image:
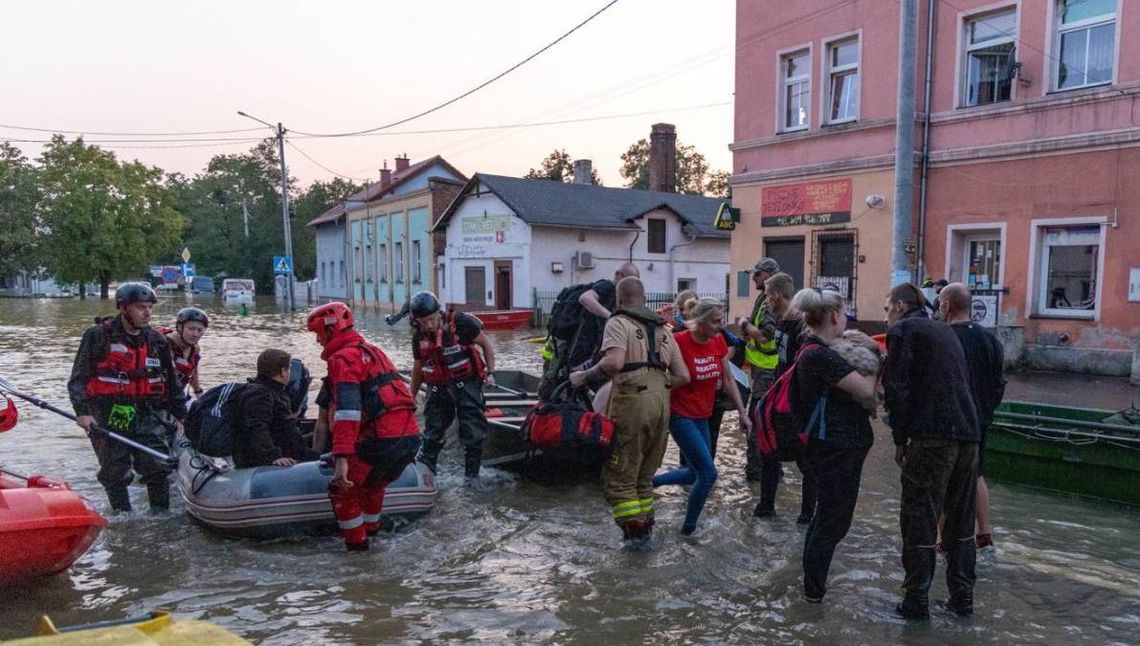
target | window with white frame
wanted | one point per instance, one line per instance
(982, 259)
(1085, 45)
(795, 98)
(988, 69)
(398, 268)
(1067, 270)
(843, 80)
(417, 273)
(383, 262)
(342, 273)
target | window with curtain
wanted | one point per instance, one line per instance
(1068, 270)
(843, 72)
(795, 99)
(1085, 42)
(988, 66)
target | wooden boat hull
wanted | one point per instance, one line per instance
(1064, 449)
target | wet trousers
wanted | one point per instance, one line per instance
(771, 471)
(640, 413)
(464, 401)
(939, 477)
(761, 381)
(118, 462)
(692, 437)
(837, 475)
(357, 508)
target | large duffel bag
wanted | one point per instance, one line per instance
(568, 424)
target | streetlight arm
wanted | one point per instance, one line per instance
(250, 116)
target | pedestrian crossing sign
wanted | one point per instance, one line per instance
(282, 265)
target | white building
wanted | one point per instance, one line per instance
(508, 238)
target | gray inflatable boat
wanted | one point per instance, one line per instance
(265, 502)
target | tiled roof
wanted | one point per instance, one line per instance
(373, 191)
(550, 203)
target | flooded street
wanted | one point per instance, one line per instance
(530, 563)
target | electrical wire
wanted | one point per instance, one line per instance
(128, 134)
(322, 166)
(472, 90)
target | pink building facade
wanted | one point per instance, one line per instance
(1030, 139)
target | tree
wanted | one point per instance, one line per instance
(693, 175)
(102, 220)
(18, 220)
(717, 184)
(318, 198)
(559, 167)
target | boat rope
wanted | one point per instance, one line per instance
(1075, 438)
(203, 466)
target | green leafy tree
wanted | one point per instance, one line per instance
(18, 220)
(559, 167)
(318, 198)
(693, 176)
(717, 184)
(102, 219)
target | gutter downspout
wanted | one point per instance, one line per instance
(931, 20)
(636, 236)
(672, 272)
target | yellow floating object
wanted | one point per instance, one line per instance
(535, 339)
(159, 628)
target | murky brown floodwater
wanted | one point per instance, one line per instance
(528, 563)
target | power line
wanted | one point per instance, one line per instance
(472, 90)
(127, 134)
(322, 166)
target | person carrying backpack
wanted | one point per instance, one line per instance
(264, 425)
(840, 436)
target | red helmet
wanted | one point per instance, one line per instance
(9, 416)
(330, 319)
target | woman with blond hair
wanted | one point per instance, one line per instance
(706, 356)
(840, 440)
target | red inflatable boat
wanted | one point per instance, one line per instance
(44, 527)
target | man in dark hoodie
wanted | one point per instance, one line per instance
(264, 426)
(934, 421)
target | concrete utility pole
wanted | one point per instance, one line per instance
(279, 132)
(904, 143)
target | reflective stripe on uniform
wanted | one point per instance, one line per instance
(646, 505)
(371, 518)
(346, 415)
(352, 523)
(114, 380)
(627, 509)
(118, 347)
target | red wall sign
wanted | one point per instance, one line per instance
(812, 203)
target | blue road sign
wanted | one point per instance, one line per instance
(282, 265)
(170, 275)
(188, 270)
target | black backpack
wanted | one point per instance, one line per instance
(566, 313)
(207, 423)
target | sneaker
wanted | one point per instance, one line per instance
(812, 599)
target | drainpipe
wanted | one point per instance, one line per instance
(931, 16)
(635, 237)
(672, 276)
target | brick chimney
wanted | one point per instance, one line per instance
(385, 176)
(663, 158)
(402, 163)
(583, 171)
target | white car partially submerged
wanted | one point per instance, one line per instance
(238, 290)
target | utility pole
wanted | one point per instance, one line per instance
(904, 143)
(245, 216)
(279, 132)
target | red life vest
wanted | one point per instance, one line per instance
(131, 368)
(445, 359)
(184, 366)
(386, 399)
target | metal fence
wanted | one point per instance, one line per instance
(544, 301)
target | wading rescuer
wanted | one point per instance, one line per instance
(454, 357)
(761, 353)
(639, 353)
(373, 420)
(188, 329)
(124, 380)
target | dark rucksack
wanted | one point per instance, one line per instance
(566, 313)
(777, 428)
(207, 424)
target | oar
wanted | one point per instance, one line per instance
(6, 385)
(14, 474)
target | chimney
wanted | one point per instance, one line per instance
(663, 158)
(385, 176)
(583, 171)
(402, 163)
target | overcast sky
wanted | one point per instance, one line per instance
(335, 66)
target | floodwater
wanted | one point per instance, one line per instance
(537, 563)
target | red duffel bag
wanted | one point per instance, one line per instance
(568, 424)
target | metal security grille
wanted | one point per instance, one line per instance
(834, 265)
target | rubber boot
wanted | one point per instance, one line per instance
(357, 547)
(385, 525)
(120, 499)
(472, 459)
(639, 531)
(158, 494)
(913, 606)
(429, 454)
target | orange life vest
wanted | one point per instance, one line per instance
(184, 366)
(131, 368)
(446, 360)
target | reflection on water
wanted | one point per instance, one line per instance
(534, 563)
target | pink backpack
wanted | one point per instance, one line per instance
(777, 429)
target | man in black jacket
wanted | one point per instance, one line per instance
(934, 421)
(264, 426)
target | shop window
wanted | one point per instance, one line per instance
(656, 235)
(1085, 42)
(1067, 269)
(988, 68)
(843, 80)
(795, 95)
(983, 262)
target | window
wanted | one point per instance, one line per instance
(843, 87)
(656, 235)
(417, 273)
(322, 280)
(1086, 42)
(383, 263)
(795, 96)
(1067, 271)
(398, 269)
(342, 273)
(686, 283)
(988, 68)
(983, 262)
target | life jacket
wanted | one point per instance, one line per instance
(762, 355)
(652, 322)
(389, 436)
(132, 366)
(446, 360)
(184, 366)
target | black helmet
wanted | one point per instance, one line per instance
(187, 314)
(423, 303)
(135, 293)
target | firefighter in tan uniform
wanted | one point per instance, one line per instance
(640, 355)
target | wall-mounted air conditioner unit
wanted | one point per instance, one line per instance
(584, 260)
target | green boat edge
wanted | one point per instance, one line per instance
(1064, 449)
